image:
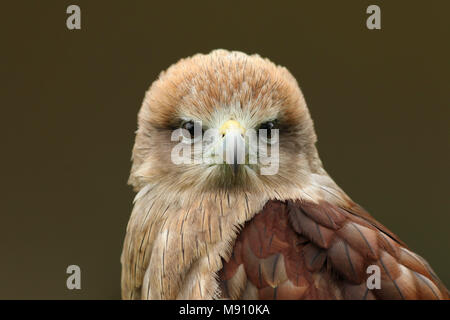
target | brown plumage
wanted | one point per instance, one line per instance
(203, 231)
(301, 250)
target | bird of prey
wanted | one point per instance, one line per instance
(211, 230)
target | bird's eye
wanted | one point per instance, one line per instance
(194, 131)
(268, 126)
(189, 126)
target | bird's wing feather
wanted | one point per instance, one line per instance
(305, 250)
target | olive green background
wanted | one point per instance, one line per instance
(69, 99)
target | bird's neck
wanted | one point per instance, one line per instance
(176, 242)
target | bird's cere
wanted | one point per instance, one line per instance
(231, 125)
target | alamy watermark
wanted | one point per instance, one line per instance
(73, 21)
(374, 20)
(74, 280)
(374, 280)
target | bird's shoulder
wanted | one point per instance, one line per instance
(298, 249)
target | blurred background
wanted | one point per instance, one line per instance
(69, 99)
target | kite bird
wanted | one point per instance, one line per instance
(207, 230)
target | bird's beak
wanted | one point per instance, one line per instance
(233, 144)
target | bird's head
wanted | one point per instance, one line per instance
(225, 121)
